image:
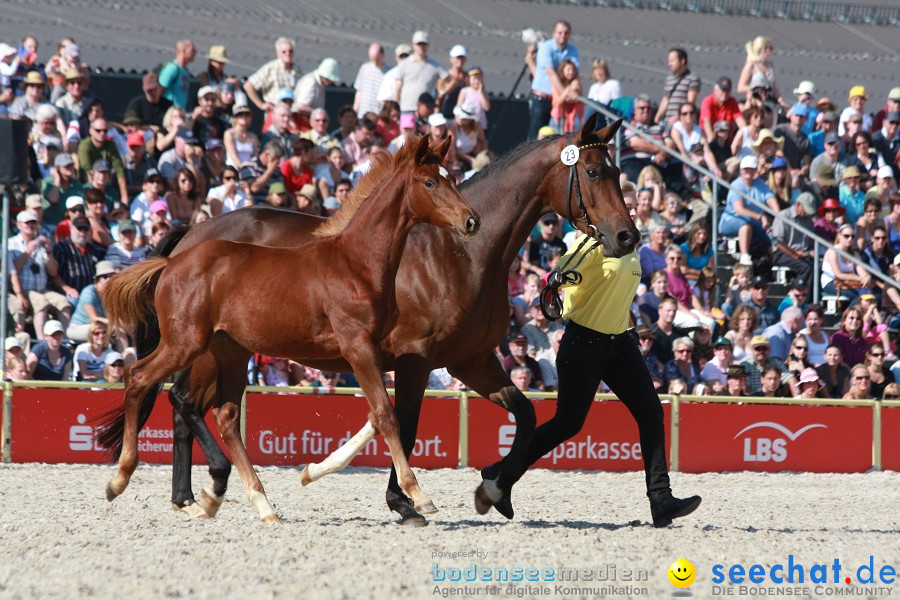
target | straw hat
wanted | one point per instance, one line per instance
(851, 171)
(217, 53)
(33, 78)
(766, 134)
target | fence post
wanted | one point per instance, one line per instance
(674, 458)
(244, 418)
(6, 432)
(464, 428)
(876, 435)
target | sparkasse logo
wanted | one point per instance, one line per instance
(771, 448)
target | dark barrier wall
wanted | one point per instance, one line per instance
(117, 89)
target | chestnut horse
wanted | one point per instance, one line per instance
(332, 298)
(453, 313)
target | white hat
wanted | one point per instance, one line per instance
(884, 172)
(420, 37)
(112, 357)
(805, 87)
(72, 49)
(437, 119)
(53, 326)
(206, 89)
(73, 201)
(402, 49)
(328, 69)
(749, 162)
(6, 50)
(465, 110)
(458, 50)
(26, 216)
(12, 342)
(758, 81)
(104, 267)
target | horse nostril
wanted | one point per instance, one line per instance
(626, 237)
(471, 225)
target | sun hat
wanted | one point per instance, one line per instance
(32, 78)
(851, 171)
(104, 267)
(766, 134)
(759, 340)
(805, 87)
(12, 342)
(407, 121)
(159, 206)
(831, 204)
(809, 375)
(465, 110)
(328, 69)
(218, 54)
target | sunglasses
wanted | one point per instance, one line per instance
(861, 377)
(876, 354)
(99, 333)
(891, 397)
(99, 130)
(761, 349)
(683, 351)
(118, 364)
(801, 348)
(689, 112)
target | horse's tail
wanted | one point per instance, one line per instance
(128, 296)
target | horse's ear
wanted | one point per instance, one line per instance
(587, 130)
(443, 147)
(609, 131)
(422, 151)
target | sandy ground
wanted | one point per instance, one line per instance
(59, 537)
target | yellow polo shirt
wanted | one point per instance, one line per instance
(603, 298)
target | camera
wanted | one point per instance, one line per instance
(532, 37)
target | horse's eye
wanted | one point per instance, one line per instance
(429, 183)
(593, 173)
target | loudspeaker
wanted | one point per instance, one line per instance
(13, 151)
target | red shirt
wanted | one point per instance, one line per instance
(713, 111)
(292, 181)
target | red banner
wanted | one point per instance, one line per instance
(761, 437)
(890, 438)
(57, 426)
(608, 441)
(295, 430)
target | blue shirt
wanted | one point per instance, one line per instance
(45, 370)
(88, 296)
(550, 55)
(758, 190)
(176, 81)
(853, 202)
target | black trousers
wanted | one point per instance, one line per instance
(585, 358)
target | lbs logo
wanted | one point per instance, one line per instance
(774, 447)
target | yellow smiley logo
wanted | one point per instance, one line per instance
(682, 573)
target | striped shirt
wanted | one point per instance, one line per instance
(31, 281)
(271, 77)
(677, 88)
(76, 266)
(368, 81)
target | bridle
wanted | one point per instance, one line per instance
(551, 302)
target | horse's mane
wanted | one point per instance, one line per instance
(383, 166)
(509, 158)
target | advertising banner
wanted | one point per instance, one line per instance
(763, 437)
(608, 441)
(295, 430)
(890, 438)
(58, 426)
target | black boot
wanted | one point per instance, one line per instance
(666, 508)
(504, 505)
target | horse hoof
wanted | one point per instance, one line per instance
(110, 493)
(427, 508)
(273, 518)
(305, 478)
(486, 496)
(195, 511)
(413, 521)
(210, 503)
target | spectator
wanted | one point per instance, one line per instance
(543, 59)
(815, 337)
(880, 375)
(356, 146)
(386, 89)
(521, 378)
(648, 302)
(214, 75)
(229, 196)
(26, 105)
(830, 157)
(17, 370)
(849, 337)
(241, 145)
(388, 125)
(682, 87)
(424, 110)
(857, 99)
(77, 257)
(892, 105)
(174, 121)
(760, 360)
(31, 266)
(720, 146)
(174, 77)
(810, 384)
(768, 314)
(795, 248)
(681, 366)
(74, 208)
(262, 87)
(664, 330)
(124, 252)
(690, 141)
(716, 370)
(747, 137)
(826, 225)
(157, 233)
(90, 356)
(796, 146)
(113, 369)
(207, 124)
(646, 216)
(468, 134)
(368, 81)
(137, 163)
(736, 381)
(90, 311)
(35, 204)
(99, 147)
(604, 89)
(796, 296)
(310, 91)
(781, 334)
(296, 171)
(318, 132)
(449, 88)
(871, 219)
(680, 289)
(329, 173)
(645, 340)
(827, 125)
(836, 270)
(698, 251)
(95, 211)
(744, 322)
(867, 160)
(152, 106)
(885, 184)
(475, 95)
(797, 359)
(518, 357)
(742, 219)
(805, 93)
(50, 359)
(538, 329)
(72, 103)
(265, 170)
(278, 196)
(886, 140)
(213, 162)
(537, 259)
(653, 254)
(770, 384)
(280, 131)
(759, 65)
(184, 199)
(891, 392)
(566, 111)
(186, 155)
(638, 153)
(341, 192)
(152, 191)
(417, 75)
(861, 384)
(849, 127)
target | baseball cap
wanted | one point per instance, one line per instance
(53, 326)
(63, 160)
(749, 162)
(723, 341)
(893, 116)
(550, 218)
(113, 357)
(308, 190)
(159, 206)
(151, 173)
(240, 109)
(736, 371)
(832, 137)
(26, 216)
(458, 50)
(829, 117)
(127, 225)
(805, 87)
(34, 201)
(214, 144)
(894, 94)
(135, 138)
(285, 93)
(101, 166)
(759, 340)
(858, 90)
(131, 118)
(104, 267)
(799, 282)
(277, 188)
(808, 202)
(11, 342)
(519, 339)
(402, 49)
(809, 375)
(724, 84)
(759, 281)
(437, 119)
(187, 136)
(81, 222)
(73, 201)
(779, 163)
(644, 332)
(206, 89)
(884, 172)
(420, 37)
(799, 109)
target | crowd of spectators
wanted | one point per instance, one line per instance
(102, 193)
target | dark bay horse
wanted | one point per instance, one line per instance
(453, 314)
(332, 298)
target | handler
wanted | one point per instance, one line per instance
(598, 345)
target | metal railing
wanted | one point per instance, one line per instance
(818, 241)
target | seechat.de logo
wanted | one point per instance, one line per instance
(771, 443)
